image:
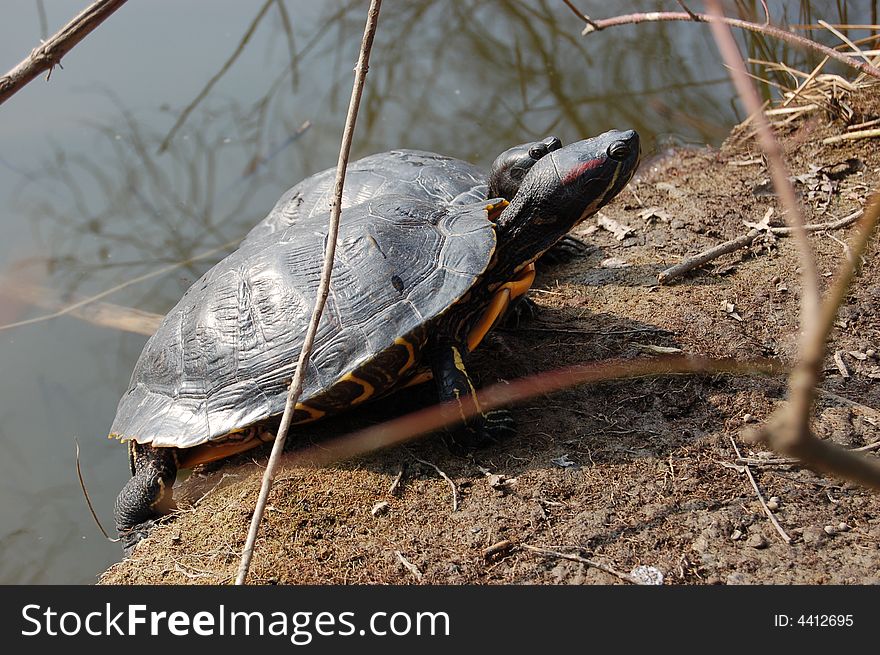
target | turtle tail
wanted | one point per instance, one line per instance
(147, 494)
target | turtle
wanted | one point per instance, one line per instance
(416, 286)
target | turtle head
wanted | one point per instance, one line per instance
(510, 167)
(561, 190)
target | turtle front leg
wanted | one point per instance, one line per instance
(147, 494)
(454, 384)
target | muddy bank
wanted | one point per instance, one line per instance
(625, 473)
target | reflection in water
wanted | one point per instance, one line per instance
(466, 78)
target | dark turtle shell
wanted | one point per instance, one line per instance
(414, 173)
(223, 356)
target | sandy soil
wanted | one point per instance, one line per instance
(623, 473)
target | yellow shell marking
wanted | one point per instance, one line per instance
(410, 354)
(368, 389)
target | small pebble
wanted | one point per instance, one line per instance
(756, 541)
(737, 535)
(843, 527)
(647, 575)
(497, 481)
(748, 418)
(830, 529)
(772, 505)
(776, 280)
(870, 352)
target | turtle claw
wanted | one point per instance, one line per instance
(132, 536)
(565, 250)
(522, 310)
(484, 430)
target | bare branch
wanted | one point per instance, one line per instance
(49, 55)
(790, 432)
(783, 35)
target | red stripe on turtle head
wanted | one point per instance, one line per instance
(576, 172)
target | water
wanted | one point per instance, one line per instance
(88, 202)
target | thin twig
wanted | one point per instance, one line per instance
(794, 461)
(50, 53)
(689, 264)
(770, 461)
(546, 552)
(604, 333)
(852, 136)
(767, 510)
(847, 401)
(412, 568)
(840, 35)
(675, 272)
(82, 485)
(803, 85)
(443, 475)
(821, 227)
(140, 278)
(44, 21)
(323, 290)
(688, 10)
(578, 12)
(783, 35)
(395, 485)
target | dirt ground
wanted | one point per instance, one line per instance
(626, 474)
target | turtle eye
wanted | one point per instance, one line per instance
(618, 150)
(537, 151)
